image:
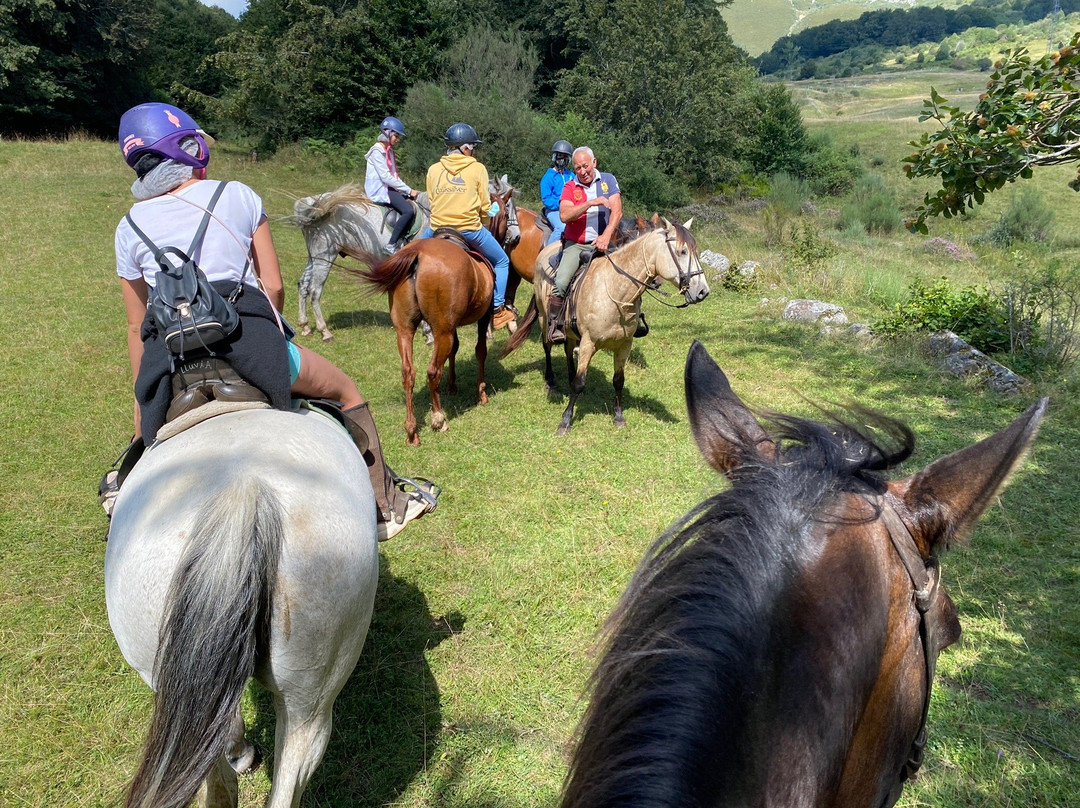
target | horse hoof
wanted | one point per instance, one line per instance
(247, 761)
(512, 326)
(620, 422)
(412, 440)
(438, 422)
(305, 331)
(562, 431)
(327, 336)
(482, 399)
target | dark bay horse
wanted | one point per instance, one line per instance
(437, 281)
(777, 646)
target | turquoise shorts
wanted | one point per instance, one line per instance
(294, 362)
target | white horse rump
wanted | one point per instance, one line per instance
(245, 546)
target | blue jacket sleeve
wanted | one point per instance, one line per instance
(551, 189)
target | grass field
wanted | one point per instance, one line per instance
(470, 684)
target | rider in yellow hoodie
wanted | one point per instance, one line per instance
(457, 188)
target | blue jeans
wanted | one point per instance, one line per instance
(557, 226)
(485, 244)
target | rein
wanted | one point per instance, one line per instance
(925, 577)
(654, 290)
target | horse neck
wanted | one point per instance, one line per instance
(638, 260)
(740, 667)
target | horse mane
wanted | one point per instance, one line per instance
(689, 645)
(307, 214)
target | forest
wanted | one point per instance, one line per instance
(658, 88)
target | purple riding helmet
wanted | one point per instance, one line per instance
(158, 129)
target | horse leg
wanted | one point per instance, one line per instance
(512, 284)
(445, 343)
(617, 380)
(481, 359)
(577, 386)
(301, 736)
(451, 386)
(320, 322)
(571, 366)
(219, 789)
(303, 289)
(408, 381)
(549, 373)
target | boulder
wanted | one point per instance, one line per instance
(815, 311)
(962, 360)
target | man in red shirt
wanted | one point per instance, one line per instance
(591, 207)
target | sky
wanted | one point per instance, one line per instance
(234, 7)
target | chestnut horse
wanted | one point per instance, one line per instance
(433, 279)
(777, 646)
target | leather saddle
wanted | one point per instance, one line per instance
(209, 378)
(453, 236)
(391, 216)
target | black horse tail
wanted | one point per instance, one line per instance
(382, 275)
(523, 330)
(216, 622)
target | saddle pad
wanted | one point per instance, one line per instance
(200, 414)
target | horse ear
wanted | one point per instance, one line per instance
(727, 433)
(688, 222)
(946, 498)
(655, 220)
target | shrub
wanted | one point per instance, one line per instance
(830, 171)
(973, 314)
(787, 192)
(1043, 312)
(806, 251)
(873, 204)
(1028, 218)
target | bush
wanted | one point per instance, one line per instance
(975, 315)
(787, 192)
(1028, 218)
(872, 204)
(1043, 313)
(806, 251)
(830, 171)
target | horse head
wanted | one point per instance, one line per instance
(777, 646)
(676, 258)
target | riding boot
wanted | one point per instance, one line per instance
(110, 484)
(556, 334)
(642, 327)
(396, 505)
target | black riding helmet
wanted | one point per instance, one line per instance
(560, 153)
(461, 133)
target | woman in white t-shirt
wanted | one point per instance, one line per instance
(169, 154)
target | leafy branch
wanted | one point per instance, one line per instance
(1028, 117)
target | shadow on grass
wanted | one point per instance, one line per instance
(358, 319)
(387, 718)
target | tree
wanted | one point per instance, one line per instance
(1029, 116)
(67, 64)
(665, 74)
(317, 68)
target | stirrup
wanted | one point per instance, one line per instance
(421, 486)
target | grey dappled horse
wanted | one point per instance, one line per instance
(333, 222)
(231, 556)
(346, 221)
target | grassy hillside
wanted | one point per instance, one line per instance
(469, 687)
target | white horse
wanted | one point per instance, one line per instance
(233, 556)
(334, 223)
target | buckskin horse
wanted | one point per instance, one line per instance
(436, 280)
(606, 304)
(231, 556)
(777, 646)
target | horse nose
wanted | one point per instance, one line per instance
(703, 293)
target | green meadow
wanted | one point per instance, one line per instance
(470, 685)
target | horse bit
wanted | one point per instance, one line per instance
(653, 285)
(925, 579)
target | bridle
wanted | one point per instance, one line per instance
(925, 580)
(651, 284)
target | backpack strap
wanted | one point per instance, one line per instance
(201, 232)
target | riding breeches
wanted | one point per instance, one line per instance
(568, 264)
(406, 214)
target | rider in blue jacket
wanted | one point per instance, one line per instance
(551, 186)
